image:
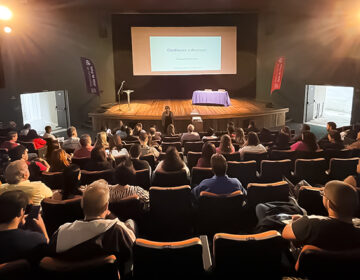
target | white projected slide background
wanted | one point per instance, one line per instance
(183, 50)
(185, 53)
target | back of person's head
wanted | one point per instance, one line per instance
(265, 135)
(251, 123)
(225, 144)
(128, 130)
(170, 129)
(71, 131)
(101, 139)
(11, 203)
(16, 171)
(167, 107)
(143, 136)
(208, 149)
(71, 175)
(331, 125)
(85, 140)
(239, 133)
(309, 139)
(210, 131)
(17, 152)
(152, 131)
(12, 124)
(252, 139)
(230, 123)
(231, 130)
(27, 126)
(283, 140)
(115, 142)
(218, 164)
(335, 136)
(125, 172)
(139, 126)
(172, 161)
(48, 129)
(343, 198)
(95, 198)
(190, 128)
(305, 127)
(32, 134)
(59, 159)
(98, 154)
(285, 129)
(12, 135)
(135, 151)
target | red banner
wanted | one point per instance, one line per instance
(278, 74)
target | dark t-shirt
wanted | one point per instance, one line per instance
(326, 233)
(18, 243)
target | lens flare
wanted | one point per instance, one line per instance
(5, 13)
(7, 29)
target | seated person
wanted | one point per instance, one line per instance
(17, 177)
(208, 149)
(139, 164)
(25, 130)
(305, 127)
(71, 187)
(190, 135)
(137, 129)
(116, 147)
(231, 130)
(252, 127)
(73, 142)
(265, 135)
(129, 135)
(144, 148)
(252, 145)
(59, 160)
(325, 139)
(32, 136)
(335, 232)
(334, 141)
(99, 160)
(226, 147)
(172, 162)
(101, 140)
(10, 126)
(210, 135)
(125, 177)
(240, 137)
(356, 144)
(282, 141)
(171, 131)
(307, 144)
(48, 134)
(95, 235)
(12, 142)
(86, 148)
(220, 183)
(122, 131)
(16, 243)
(155, 135)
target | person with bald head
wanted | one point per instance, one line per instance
(335, 232)
(95, 235)
(190, 135)
(17, 177)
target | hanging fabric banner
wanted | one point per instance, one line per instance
(278, 74)
(90, 76)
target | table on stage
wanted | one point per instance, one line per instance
(211, 97)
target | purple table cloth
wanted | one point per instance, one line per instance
(211, 97)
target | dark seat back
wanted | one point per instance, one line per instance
(87, 177)
(232, 156)
(192, 159)
(127, 208)
(261, 193)
(193, 146)
(142, 178)
(150, 158)
(81, 162)
(166, 145)
(258, 157)
(245, 171)
(54, 180)
(310, 199)
(274, 170)
(200, 173)
(311, 170)
(170, 178)
(340, 168)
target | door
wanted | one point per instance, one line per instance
(62, 108)
(309, 103)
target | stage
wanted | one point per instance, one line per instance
(149, 112)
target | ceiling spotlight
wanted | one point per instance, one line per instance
(5, 13)
(7, 29)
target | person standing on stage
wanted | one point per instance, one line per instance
(167, 118)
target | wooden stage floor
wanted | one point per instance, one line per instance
(183, 109)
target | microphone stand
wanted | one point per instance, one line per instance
(119, 93)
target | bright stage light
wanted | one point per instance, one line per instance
(5, 13)
(7, 29)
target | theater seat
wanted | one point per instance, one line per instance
(170, 178)
(340, 168)
(274, 170)
(193, 147)
(258, 157)
(142, 178)
(267, 192)
(17, 269)
(310, 199)
(54, 180)
(244, 171)
(81, 162)
(165, 145)
(127, 208)
(200, 173)
(311, 170)
(87, 177)
(192, 159)
(232, 156)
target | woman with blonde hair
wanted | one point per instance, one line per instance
(59, 160)
(101, 140)
(240, 137)
(226, 147)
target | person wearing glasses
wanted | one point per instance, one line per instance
(334, 232)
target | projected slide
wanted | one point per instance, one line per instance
(185, 53)
(183, 50)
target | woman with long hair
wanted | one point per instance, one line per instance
(99, 160)
(252, 145)
(226, 147)
(116, 146)
(307, 144)
(71, 187)
(208, 149)
(170, 130)
(101, 140)
(59, 160)
(172, 162)
(240, 137)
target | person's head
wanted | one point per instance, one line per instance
(152, 131)
(210, 131)
(12, 124)
(252, 139)
(98, 154)
(330, 126)
(190, 128)
(27, 126)
(125, 172)
(239, 135)
(18, 152)
(16, 172)
(48, 129)
(218, 164)
(334, 136)
(71, 185)
(71, 132)
(305, 127)
(167, 109)
(32, 134)
(95, 200)
(135, 151)
(251, 124)
(230, 124)
(12, 206)
(225, 144)
(208, 149)
(115, 142)
(170, 129)
(286, 130)
(13, 136)
(283, 140)
(143, 138)
(231, 130)
(129, 131)
(309, 139)
(85, 140)
(101, 140)
(340, 198)
(59, 159)
(172, 161)
(139, 126)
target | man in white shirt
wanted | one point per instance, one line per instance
(48, 134)
(191, 135)
(73, 142)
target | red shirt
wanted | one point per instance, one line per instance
(9, 145)
(39, 143)
(83, 152)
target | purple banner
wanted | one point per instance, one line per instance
(90, 76)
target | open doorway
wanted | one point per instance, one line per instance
(46, 108)
(328, 103)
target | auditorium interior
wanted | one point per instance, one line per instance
(262, 69)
